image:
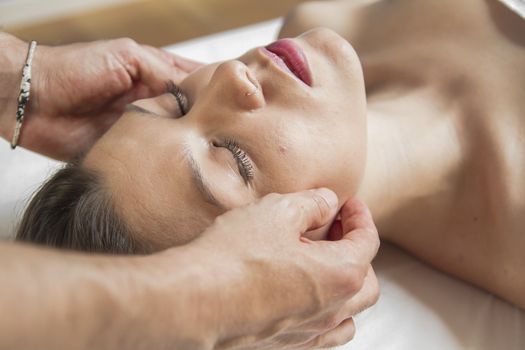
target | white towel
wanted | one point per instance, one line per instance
(517, 6)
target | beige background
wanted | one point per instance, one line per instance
(155, 22)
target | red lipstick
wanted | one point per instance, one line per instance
(290, 56)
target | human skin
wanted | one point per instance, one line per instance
(445, 176)
(68, 109)
(187, 297)
(445, 171)
(58, 299)
(292, 132)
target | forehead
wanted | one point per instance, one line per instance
(135, 158)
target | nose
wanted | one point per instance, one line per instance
(239, 85)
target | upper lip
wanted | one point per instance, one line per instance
(289, 56)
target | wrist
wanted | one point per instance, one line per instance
(76, 301)
(233, 294)
(12, 57)
(181, 291)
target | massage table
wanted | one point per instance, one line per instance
(419, 307)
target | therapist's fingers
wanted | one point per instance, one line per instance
(353, 253)
(345, 331)
(153, 67)
(356, 215)
(340, 335)
(185, 64)
(307, 210)
(181, 63)
(156, 68)
(281, 217)
(313, 279)
(364, 298)
(359, 230)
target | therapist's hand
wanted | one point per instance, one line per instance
(78, 91)
(249, 282)
(286, 291)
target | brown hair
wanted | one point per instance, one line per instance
(73, 210)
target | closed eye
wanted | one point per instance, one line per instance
(180, 97)
(243, 161)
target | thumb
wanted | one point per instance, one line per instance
(307, 210)
(359, 229)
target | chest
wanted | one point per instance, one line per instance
(474, 226)
(472, 223)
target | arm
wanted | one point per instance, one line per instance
(12, 58)
(244, 283)
(56, 300)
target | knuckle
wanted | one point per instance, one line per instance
(375, 289)
(341, 334)
(127, 44)
(374, 237)
(340, 340)
(374, 298)
(377, 241)
(370, 240)
(321, 205)
(318, 342)
(355, 280)
(330, 323)
(347, 336)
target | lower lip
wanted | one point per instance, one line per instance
(290, 57)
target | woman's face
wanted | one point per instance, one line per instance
(252, 128)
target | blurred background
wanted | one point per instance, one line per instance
(154, 22)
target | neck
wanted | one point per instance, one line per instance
(413, 159)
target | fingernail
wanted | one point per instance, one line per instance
(329, 196)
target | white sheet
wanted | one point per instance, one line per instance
(420, 308)
(517, 6)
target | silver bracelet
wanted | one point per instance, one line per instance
(23, 97)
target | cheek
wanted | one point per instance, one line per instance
(339, 159)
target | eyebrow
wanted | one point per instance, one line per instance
(202, 185)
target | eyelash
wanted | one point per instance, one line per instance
(243, 161)
(180, 96)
